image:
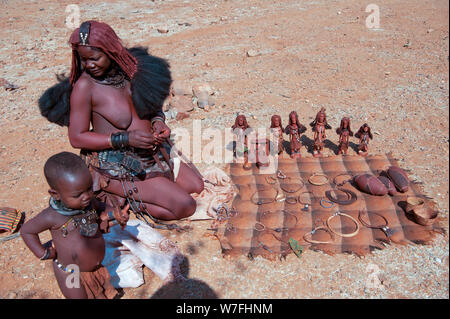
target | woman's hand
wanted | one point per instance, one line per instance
(142, 139)
(162, 131)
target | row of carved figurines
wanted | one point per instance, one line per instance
(319, 125)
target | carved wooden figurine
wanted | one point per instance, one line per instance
(277, 130)
(295, 129)
(364, 134)
(240, 128)
(319, 125)
(344, 131)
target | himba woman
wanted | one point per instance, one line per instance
(115, 117)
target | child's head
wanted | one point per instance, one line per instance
(69, 179)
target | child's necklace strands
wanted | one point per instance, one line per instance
(85, 220)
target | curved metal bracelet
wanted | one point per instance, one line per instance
(312, 201)
(343, 182)
(317, 183)
(260, 202)
(262, 227)
(351, 197)
(273, 180)
(259, 224)
(311, 241)
(293, 191)
(291, 200)
(341, 234)
(281, 175)
(326, 201)
(386, 230)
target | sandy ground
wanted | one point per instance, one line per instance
(312, 54)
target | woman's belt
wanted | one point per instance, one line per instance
(137, 162)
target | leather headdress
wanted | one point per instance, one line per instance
(84, 33)
(102, 36)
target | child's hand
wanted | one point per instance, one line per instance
(122, 216)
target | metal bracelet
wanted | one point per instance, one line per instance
(326, 201)
(341, 234)
(46, 254)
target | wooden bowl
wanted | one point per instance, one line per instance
(425, 216)
(413, 203)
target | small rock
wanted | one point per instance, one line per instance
(202, 103)
(170, 114)
(200, 90)
(407, 44)
(387, 73)
(163, 30)
(182, 103)
(430, 30)
(253, 53)
(181, 116)
(7, 85)
(181, 88)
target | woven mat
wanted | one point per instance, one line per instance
(242, 235)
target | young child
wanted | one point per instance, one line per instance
(76, 221)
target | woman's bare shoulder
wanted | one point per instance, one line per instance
(83, 84)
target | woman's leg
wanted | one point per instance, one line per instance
(188, 179)
(163, 198)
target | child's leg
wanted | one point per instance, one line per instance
(69, 293)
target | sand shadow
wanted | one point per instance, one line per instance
(402, 204)
(184, 288)
(353, 146)
(332, 146)
(307, 143)
(287, 147)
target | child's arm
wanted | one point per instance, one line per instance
(30, 235)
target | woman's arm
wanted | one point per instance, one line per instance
(30, 234)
